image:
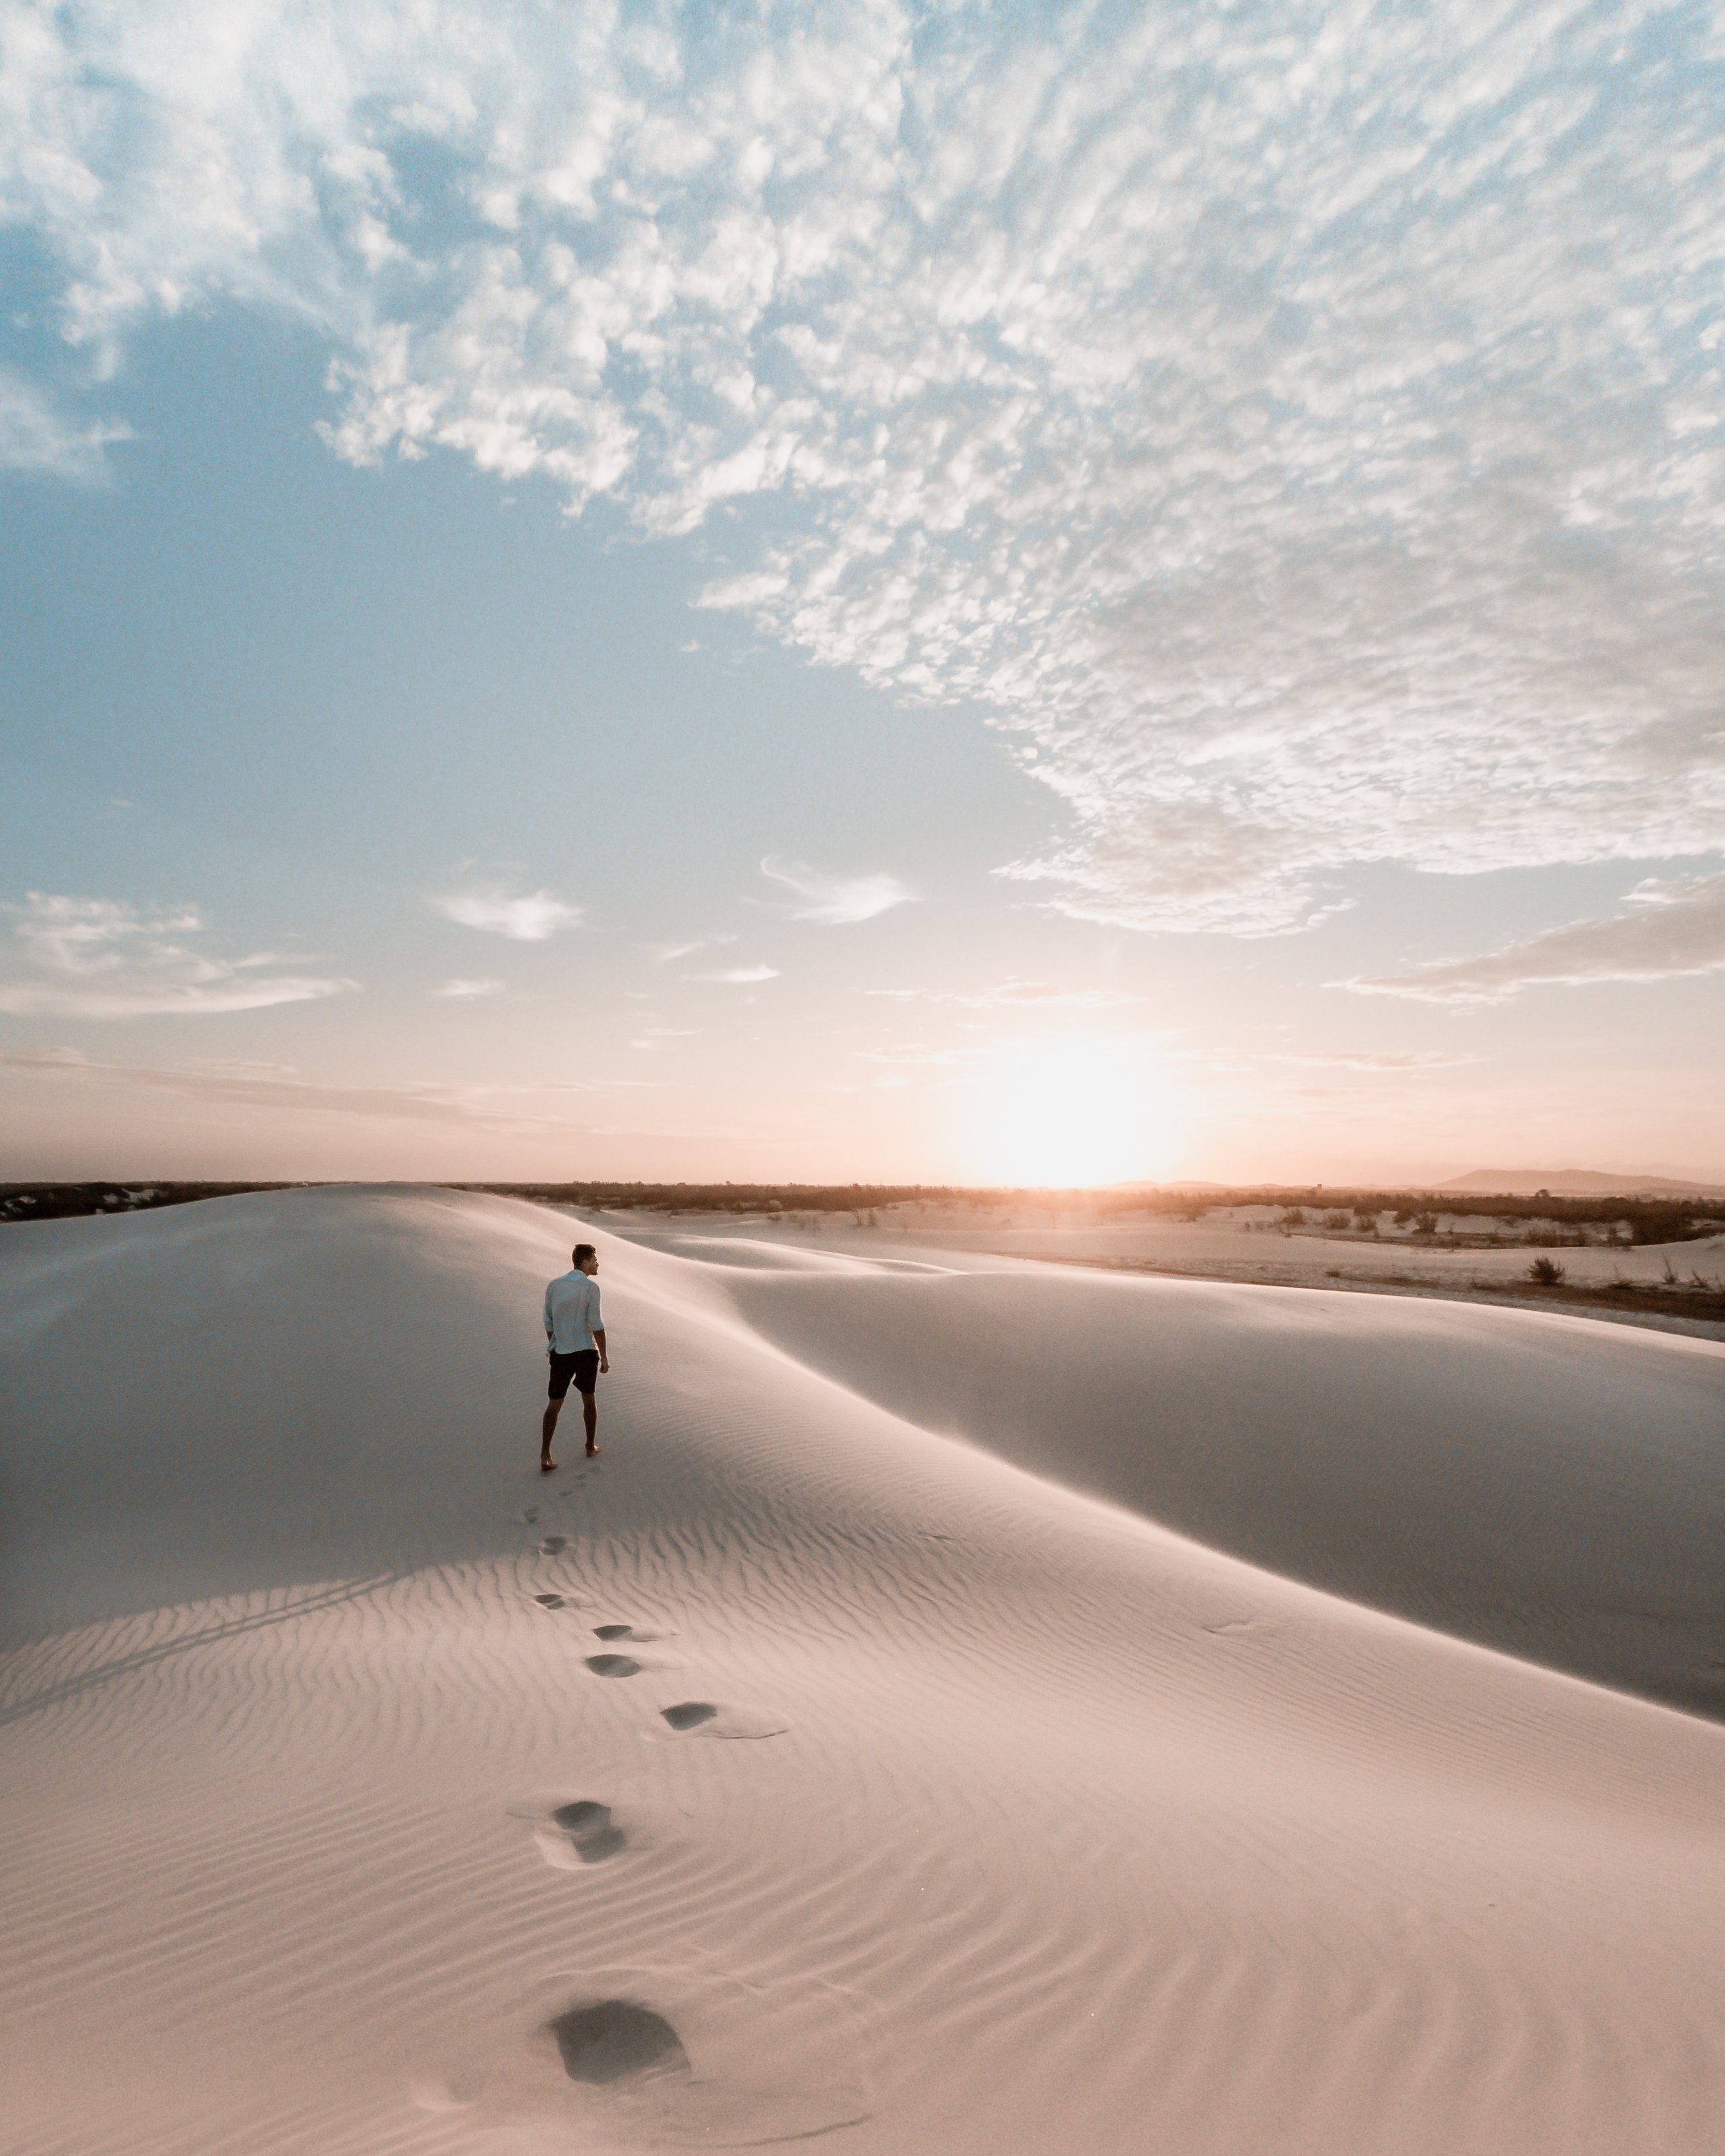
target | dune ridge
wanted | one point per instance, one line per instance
(1067, 1831)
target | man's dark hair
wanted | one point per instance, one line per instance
(583, 1251)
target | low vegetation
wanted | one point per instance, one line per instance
(1545, 1221)
(1538, 1221)
(63, 1201)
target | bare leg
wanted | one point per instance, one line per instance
(553, 1409)
(590, 1416)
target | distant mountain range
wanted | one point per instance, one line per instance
(1578, 1182)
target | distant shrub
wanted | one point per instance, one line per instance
(1664, 1224)
(1425, 1224)
(1545, 1272)
(1338, 1219)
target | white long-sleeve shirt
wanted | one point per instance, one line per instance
(572, 1312)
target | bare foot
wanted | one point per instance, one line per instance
(593, 1452)
(547, 1466)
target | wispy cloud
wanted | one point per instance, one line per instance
(1674, 929)
(1388, 1060)
(524, 917)
(470, 991)
(99, 958)
(37, 436)
(265, 1086)
(1013, 995)
(1308, 444)
(278, 1086)
(662, 954)
(738, 977)
(835, 901)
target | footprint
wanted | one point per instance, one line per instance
(582, 1829)
(614, 1666)
(689, 1715)
(549, 1601)
(553, 1545)
(614, 2040)
(641, 1634)
(707, 1717)
(530, 1516)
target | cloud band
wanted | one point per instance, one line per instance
(1305, 437)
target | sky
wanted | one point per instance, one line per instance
(1056, 593)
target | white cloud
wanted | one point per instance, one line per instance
(835, 901)
(1676, 929)
(96, 957)
(1304, 431)
(737, 976)
(36, 437)
(468, 991)
(662, 954)
(528, 917)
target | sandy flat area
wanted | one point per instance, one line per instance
(1236, 1244)
(970, 1706)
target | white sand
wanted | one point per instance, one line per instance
(1022, 1824)
(1239, 1244)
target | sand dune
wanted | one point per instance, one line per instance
(1241, 1245)
(1535, 1482)
(794, 1772)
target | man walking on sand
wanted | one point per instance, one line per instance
(576, 1334)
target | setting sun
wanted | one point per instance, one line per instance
(1066, 1113)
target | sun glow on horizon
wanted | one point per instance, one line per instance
(1066, 1114)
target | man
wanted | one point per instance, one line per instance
(576, 1335)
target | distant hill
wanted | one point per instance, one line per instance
(1577, 1183)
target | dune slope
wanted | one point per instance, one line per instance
(1540, 1483)
(793, 1773)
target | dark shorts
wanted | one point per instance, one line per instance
(583, 1366)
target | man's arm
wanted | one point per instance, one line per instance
(598, 1342)
(548, 1333)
